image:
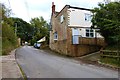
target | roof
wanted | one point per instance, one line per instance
(72, 7)
(79, 8)
(41, 40)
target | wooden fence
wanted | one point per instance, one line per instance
(110, 54)
(92, 41)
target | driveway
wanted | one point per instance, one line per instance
(40, 64)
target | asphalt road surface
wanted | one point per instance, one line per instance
(40, 64)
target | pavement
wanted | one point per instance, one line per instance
(9, 67)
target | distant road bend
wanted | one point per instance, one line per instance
(40, 64)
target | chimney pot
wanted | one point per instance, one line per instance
(53, 8)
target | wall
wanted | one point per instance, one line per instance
(82, 32)
(77, 18)
(85, 46)
(59, 27)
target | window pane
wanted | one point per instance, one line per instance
(91, 30)
(91, 35)
(75, 39)
(55, 35)
(61, 18)
(75, 31)
(88, 17)
(87, 34)
(87, 30)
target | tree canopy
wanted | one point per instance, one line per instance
(107, 18)
(33, 31)
(24, 29)
(40, 28)
(9, 40)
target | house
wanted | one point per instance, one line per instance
(71, 32)
(42, 40)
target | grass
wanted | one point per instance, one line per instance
(95, 57)
(111, 61)
(7, 46)
(113, 47)
(23, 74)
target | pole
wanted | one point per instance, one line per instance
(15, 29)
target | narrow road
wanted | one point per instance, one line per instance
(40, 64)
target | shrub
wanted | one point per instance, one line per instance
(9, 40)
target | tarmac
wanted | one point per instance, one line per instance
(9, 68)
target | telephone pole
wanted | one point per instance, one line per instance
(15, 29)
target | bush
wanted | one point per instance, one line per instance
(9, 40)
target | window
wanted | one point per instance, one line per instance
(88, 17)
(75, 39)
(75, 36)
(55, 36)
(89, 33)
(75, 31)
(61, 18)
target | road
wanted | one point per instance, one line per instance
(41, 64)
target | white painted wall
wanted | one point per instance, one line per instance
(77, 18)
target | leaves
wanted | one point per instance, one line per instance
(40, 27)
(24, 29)
(107, 19)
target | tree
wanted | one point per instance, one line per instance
(107, 19)
(9, 40)
(24, 29)
(40, 28)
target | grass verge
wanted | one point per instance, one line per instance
(23, 74)
(111, 61)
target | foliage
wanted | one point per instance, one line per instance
(9, 40)
(24, 29)
(40, 28)
(107, 19)
(111, 61)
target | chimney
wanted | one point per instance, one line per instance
(53, 8)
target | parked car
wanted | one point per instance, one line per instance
(37, 45)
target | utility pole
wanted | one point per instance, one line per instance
(15, 29)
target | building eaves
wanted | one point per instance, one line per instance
(80, 8)
(74, 8)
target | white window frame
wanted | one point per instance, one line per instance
(89, 33)
(88, 17)
(61, 18)
(75, 35)
(55, 36)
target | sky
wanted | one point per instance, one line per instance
(27, 9)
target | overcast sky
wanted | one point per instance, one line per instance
(27, 9)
